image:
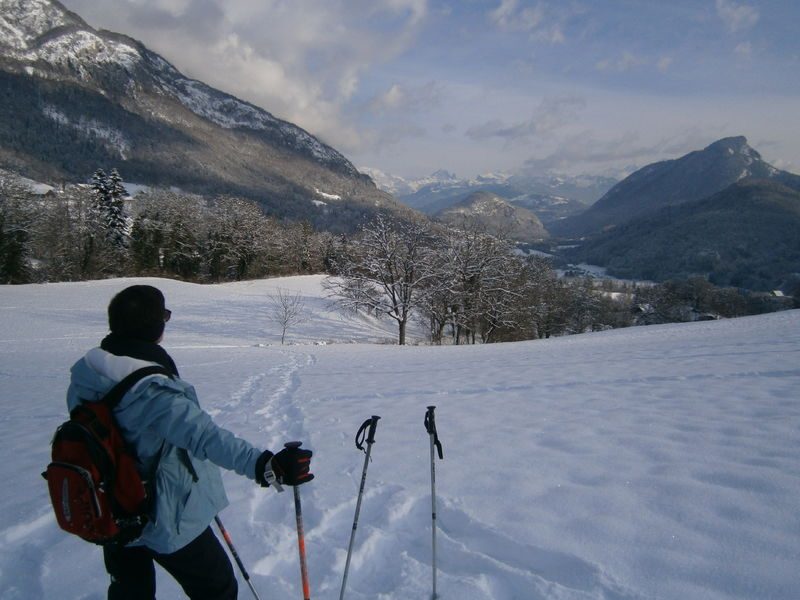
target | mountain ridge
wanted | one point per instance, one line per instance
(747, 235)
(497, 216)
(156, 125)
(552, 197)
(689, 178)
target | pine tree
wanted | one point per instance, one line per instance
(15, 226)
(116, 222)
(109, 207)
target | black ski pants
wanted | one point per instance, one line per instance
(202, 568)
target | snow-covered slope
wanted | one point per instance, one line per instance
(644, 463)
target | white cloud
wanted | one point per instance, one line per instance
(175, 7)
(744, 50)
(551, 115)
(737, 17)
(404, 98)
(616, 154)
(417, 8)
(624, 63)
(664, 63)
(538, 21)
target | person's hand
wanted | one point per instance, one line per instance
(290, 466)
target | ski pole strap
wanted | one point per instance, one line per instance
(372, 424)
(430, 427)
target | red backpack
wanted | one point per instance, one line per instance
(96, 490)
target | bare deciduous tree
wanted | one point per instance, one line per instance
(287, 309)
(385, 272)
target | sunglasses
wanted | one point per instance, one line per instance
(167, 314)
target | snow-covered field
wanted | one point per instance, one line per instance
(657, 462)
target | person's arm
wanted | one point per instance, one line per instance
(164, 407)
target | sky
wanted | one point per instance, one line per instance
(479, 86)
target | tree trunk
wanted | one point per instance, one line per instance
(402, 339)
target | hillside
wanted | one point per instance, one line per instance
(692, 177)
(747, 235)
(74, 99)
(650, 462)
(496, 216)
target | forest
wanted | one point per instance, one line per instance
(464, 285)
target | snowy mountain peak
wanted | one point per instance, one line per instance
(443, 175)
(23, 22)
(734, 146)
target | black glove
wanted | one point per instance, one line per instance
(290, 466)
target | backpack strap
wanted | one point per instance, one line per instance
(115, 395)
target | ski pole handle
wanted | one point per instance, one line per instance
(430, 427)
(372, 424)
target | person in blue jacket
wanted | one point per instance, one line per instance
(180, 448)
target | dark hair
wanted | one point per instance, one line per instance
(137, 312)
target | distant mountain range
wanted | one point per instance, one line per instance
(496, 216)
(74, 99)
(551, 197)
(689, 178)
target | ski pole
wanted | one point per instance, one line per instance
(430, 427)
(372, 423)
(301, 542)
(235, 554)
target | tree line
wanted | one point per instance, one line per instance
(463, 285)
(95, 231)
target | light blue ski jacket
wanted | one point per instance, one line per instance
(162, 420)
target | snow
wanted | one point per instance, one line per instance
(134, 189)
(74, 49)
(22, 22)
(230, 113)
(328, 196)
(656, 462)
(115, 139)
